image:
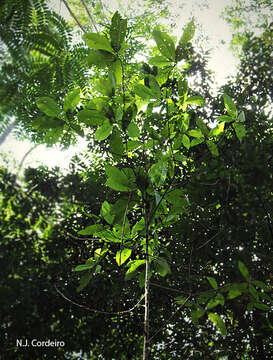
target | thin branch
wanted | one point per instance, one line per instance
(189, 271)
(98, 311)
(168, 320)
(74, 16)
(209, 240)
(25, 156)
(169, 289)
(89, 15)
(123, 226)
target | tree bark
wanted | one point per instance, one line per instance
(6, 133)
(147, 287)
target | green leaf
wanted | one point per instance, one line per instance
(165, 44)
(108, 236)
(122, 256)
(217, 130)
(241, 117)
(182, 87)
(117, 71)
(105, 212)
(86, 266)
(233, 293)
(196, 133)
(84, 281)
(117, 180)
(116, 143)
(162, 267)
(158, 172)
(133, 130)
(104, 131)
(48, 106)
(217, 300)
(117, 31)
(133, 266)
(212, 282)
(225, 118)
(159, 61)
(197, 100)
(143, 91)
(197, 314)
(188, 34)
(133, 145)
(262, 306)
(212, 148)
(243, 270)
(97, 41)
(46, 122)
(72, 99)
(100, 58)
(220, 325)
(230, 106)
(239, 130)
(105, 87)
(91, 117)
(202, 126)
(186, 141)
(91, 229)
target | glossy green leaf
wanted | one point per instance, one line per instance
(215, 301)
(143, 91)
(133, 130)
(243, 270)
(100, 58)
(105, 86)
(202, 126)
(159, 61)
(158, 172)
(233, 293)
(117, 31)
(188, 34)
(196, 133)
(241, 117)
(212, 282)
(117, 180)
(91, 229)
(116, 143)
(84, 267)
(103, 131)
(196, 100)
(217, 130)
(133, 266)
(91, 117)
(186, 141)
(98, 42)
(162, 267)
(262, 306)
(225, 118)
(84, 281)
(165, 44)
(197, 314)
(48, 106)
(108, 236)
(122, 256)
(230, 106)
(133, 145)
(117, 71)
(72, 99)
(212, 148)
(218, 322)
(239, 130)
(106, 213)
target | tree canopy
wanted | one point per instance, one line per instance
(157, 243)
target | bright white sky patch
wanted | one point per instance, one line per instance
(222, 62)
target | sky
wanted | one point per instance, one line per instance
(222, 62)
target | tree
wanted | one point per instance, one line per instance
(161, 157)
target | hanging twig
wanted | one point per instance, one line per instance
(98, 311)
(89, 15)
(74, 16)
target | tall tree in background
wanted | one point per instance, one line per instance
(176, 211)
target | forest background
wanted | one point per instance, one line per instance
(156, 242)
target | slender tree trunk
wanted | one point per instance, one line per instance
(147, 286)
